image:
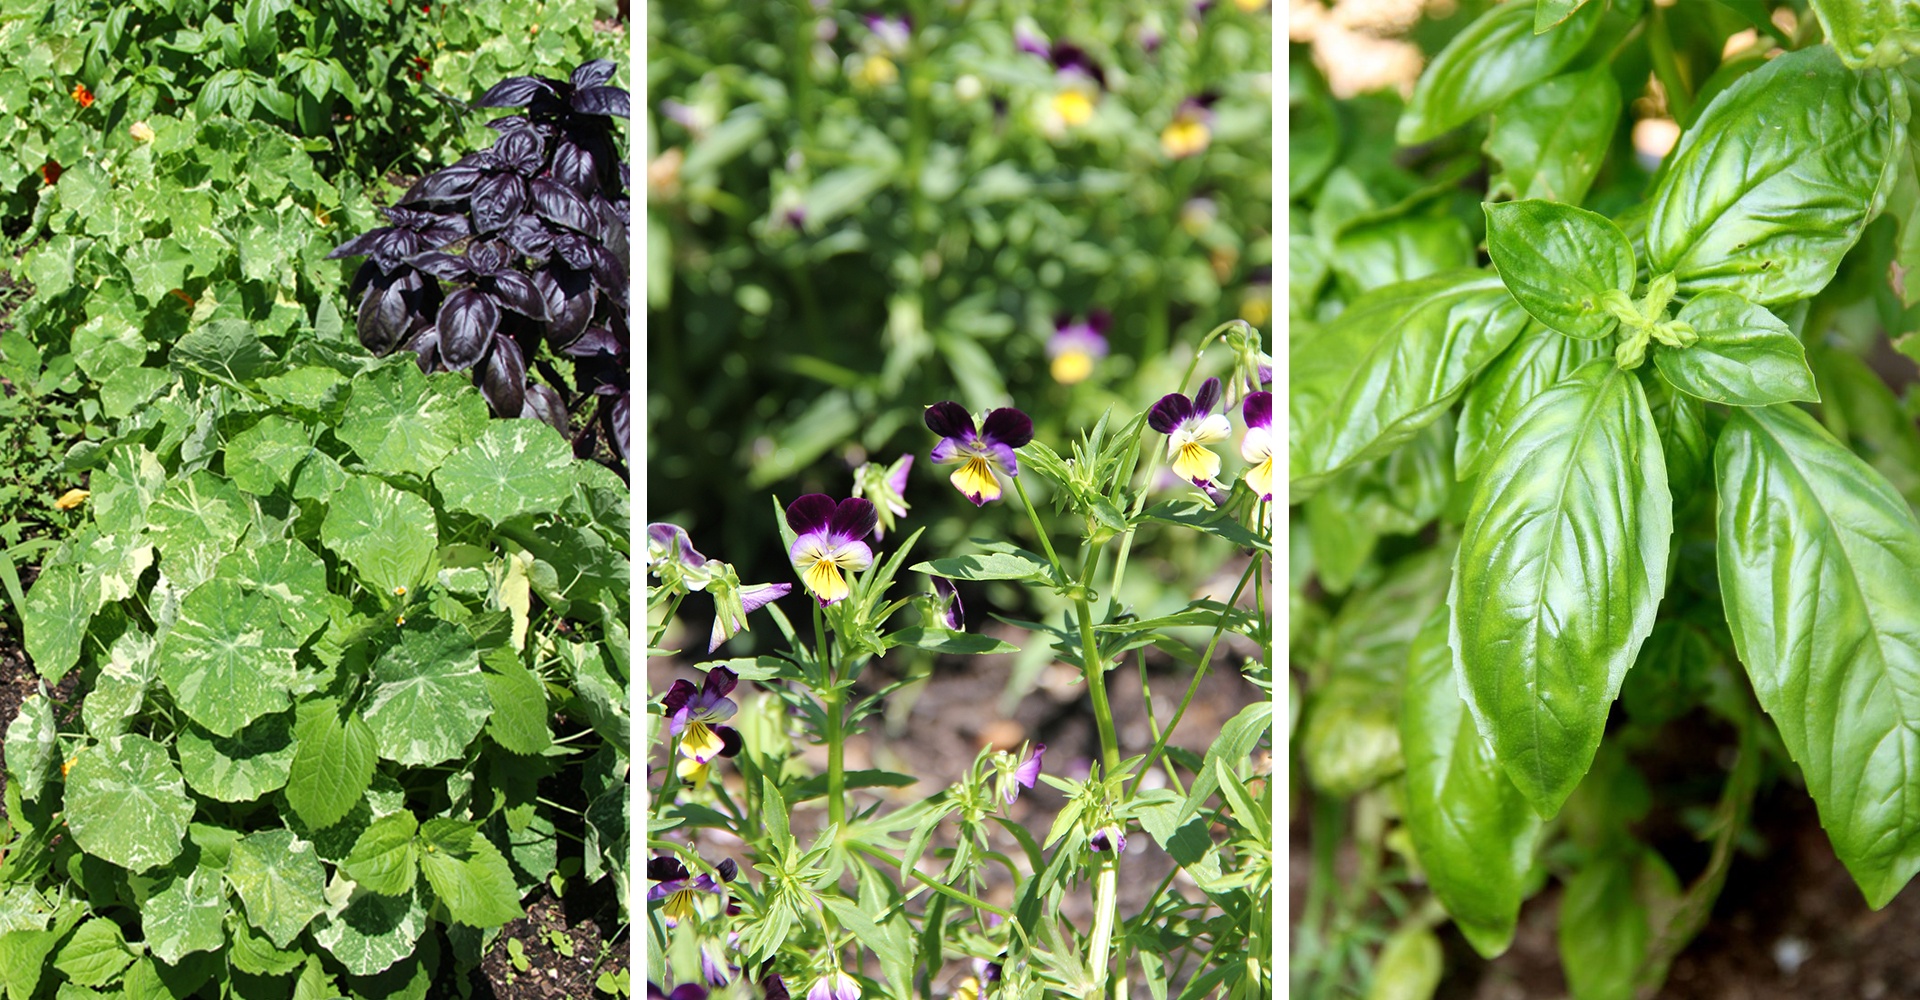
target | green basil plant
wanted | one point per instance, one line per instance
(1647, 448)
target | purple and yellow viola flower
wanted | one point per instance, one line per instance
(887, 488)
(835, 985)
(1077, 345)
(733, 601)
(695, 716)
(680, 892)
(1191, 130)
(1022, 775)
(671, 556)
(684, 991)
(979, 451)
(1190, 426)
(831, 539)
(1257, 446)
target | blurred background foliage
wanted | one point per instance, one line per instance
(854, 212)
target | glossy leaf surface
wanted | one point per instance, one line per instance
(1496, 57)
(1745, 355)
(1558, 261)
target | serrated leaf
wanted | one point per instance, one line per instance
(519, 719)
(1558, 261)
(1818, 568)
(428, 700)
(95, 954)
(1561, 565)
(1766, 205)
(388, 536)
(1472, 830)
(400, 423)
(332, 763)
(1745, 355)
(280, 879)
(468, 874)
(126, 803)
(1494, 58)
(241, 767)
(383, 859)
(514, 468)
(1389, 365)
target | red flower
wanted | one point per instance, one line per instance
(83, 95)
(50, 172)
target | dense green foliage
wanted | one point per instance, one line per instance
(1634, 453)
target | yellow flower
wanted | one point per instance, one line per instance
(1072, 366)
(876, 71)
(141, 132)
(700, 742)
(71, 499)
(693, 772)
(1185, 137)
(1074, 107)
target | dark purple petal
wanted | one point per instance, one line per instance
(678, 696)
(504, 380)
(719, 683)
(776, 988)
(853, 519)
(1209, 394)
(603, 101)
(1169, 412)
(1101, 321)
(810, 513)
(1007, 426)
(497, 201)
(1258, 410)
(544, 404)
(949, 420)
(688, 991)
(515, 91)
(667, 868)
(593, 74)
(467, 322)
(730, 746)
(728, 869)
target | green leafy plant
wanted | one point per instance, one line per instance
(325, 612)
(1636, 458)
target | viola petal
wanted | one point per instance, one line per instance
(853, 519)
(1208, 395)
(1257, 411)
(949, 420)
(1007, 426)
(810, 513)
(1169, 413)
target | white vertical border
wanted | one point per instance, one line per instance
(637, 475)
(1282, 693)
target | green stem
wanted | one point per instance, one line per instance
(931, 883)
(1096, 670)
(1314, 970)
(667, 621)
(832, 702)
(1199, 674)
(1666, 66)
(671, 782)
(1106, 900)
(1059, 575)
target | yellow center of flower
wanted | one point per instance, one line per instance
(1073, 107)
(1192, 461)
(824, 579)
(1072, 366)
(700, 742)
(680, 906)
(975, 478)
(694, 772)
(1185, 137)
(1256, 309)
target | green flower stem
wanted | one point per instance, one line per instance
(1106, 900)
(1059, 575)
(930, 882)
(832, 702)
(1096, 669)
(667, 621)
(670, 783)
(1193, 687)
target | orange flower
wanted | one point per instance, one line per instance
(83, 95)
(50, 172)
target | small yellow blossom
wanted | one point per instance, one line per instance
(1074, 107)
(1186, 136)
(875, 71)
(71, 499)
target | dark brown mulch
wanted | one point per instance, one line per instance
(564, 949)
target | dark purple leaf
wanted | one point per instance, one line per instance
(383, 318)
(487, 258)
(574, 166)
(504, 379)
(542, 403)
(559, 204)
(497, 201)
(359, 246)
(515, 92)
(521, 151)
(592, 74)
(597, 340)
(574, 248)
(517, 292)
(570, 301)
(529, 235)
(445, 266)
(618, 419)
(602, 101)
(425, 346)
(467, 323)
(448, 186)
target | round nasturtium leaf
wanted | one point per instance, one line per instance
(126, 803)
(193, 523)
(429, 699)
(241, 767)
(228, 660)
(399, 422)
(374, 931)
(280, 879)
(189, 914)
(387, 536)
(516, 467)
(261, 458)
(291, 575)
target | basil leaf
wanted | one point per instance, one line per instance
(1496, 57)
(1820, 573)
(1605, 925)
(1472, 829)
(1552, 139)
(1538, 358)
(1745, 355)
(1870, 33)
(1547, 13)
(1561, 565)
(1764, 201)
(1859, 409)
(1391, 363)
(1381, 253)
(1681, 421)
(1558, 261)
